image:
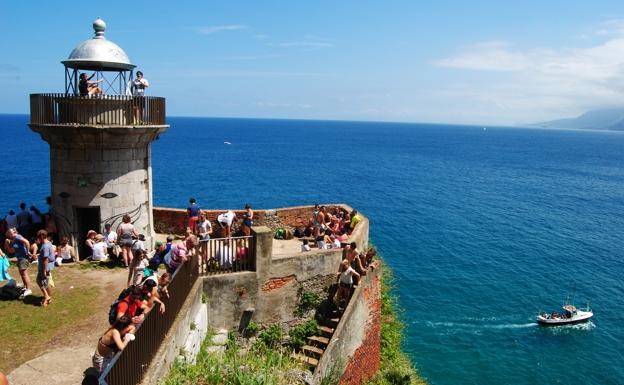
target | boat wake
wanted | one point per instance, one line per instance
(465, 325)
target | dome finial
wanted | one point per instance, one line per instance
(99, 26)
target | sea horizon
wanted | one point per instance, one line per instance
(482, 227)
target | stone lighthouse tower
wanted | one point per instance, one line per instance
(100, 142)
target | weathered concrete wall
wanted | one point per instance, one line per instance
(356, 344)
(272, 291)
(177, 336)
(228, 296)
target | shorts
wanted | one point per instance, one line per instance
(248, 222)
(346, 285)
(100, 363)
(42, 281)
(204, 237)
(126, 242)
(23, 263)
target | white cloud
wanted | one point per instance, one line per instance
(209, 30)
(540, 83)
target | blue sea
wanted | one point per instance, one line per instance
(482, 227)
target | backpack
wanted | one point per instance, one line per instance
(279, 233)
(298, 232)
(10, 293)
(112, 312)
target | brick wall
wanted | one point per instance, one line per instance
(174, 221)
(365, 361)
(355, 348)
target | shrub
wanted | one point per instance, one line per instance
(308, 300)
(300, 333)
(271, 336)
(251, 329)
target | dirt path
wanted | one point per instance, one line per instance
(61, 352)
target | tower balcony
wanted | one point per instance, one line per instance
(96, 110)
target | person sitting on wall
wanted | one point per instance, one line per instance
(88, 87)
(355, 219)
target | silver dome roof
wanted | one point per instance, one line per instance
(98, 53)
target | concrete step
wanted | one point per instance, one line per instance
(333, 322)
(312, 351)
(312, 362)
(318, 341)
(325, 331)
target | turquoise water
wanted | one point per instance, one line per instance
(482, 227)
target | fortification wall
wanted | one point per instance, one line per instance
(173, 221)
(355, 348)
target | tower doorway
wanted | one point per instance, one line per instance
(87, 218)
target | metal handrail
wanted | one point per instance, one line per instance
(115, 110)
(227, 255)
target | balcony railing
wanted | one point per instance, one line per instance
(228, 255)
(224, 255)
(114, 110)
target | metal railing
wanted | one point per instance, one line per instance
(227, 255)
(224, 255)
(128, 366)
(115, 110)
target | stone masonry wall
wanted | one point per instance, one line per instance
(355, 348)
(173, 221)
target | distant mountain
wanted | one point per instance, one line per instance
(606, 119)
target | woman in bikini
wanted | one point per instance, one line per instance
(115, 339)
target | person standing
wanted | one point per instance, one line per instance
(20, 246)
(248, 220)
(45, 266)
(11, 220)
(193, 211)
(225, 221)
(138, 91)
(23, 221)
(139, 85)
(126, 233)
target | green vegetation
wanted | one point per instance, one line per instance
(396, 368)
(307, 300)
(29, 330)
(271, 337)
(300, 333)
(236, 366)
(251, 329)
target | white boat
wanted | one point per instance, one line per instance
(570, 316)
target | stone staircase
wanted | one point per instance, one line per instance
(311, 353)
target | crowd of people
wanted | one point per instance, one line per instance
(27, 236)
(329, 229)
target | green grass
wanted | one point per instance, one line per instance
(27, 329)
(259, 365)
(396, 368)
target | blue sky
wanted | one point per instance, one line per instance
(478, 62)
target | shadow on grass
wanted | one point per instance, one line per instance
(110, 264)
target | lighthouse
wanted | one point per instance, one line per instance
(100, 142)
